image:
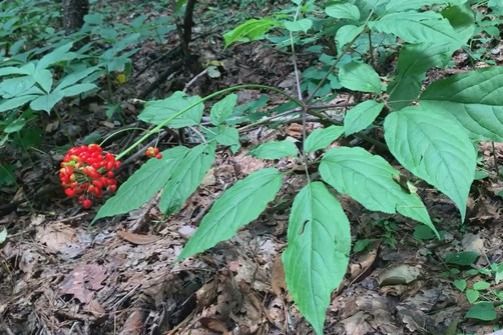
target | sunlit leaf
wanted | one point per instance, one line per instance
(143, 184)
(236, 207)
(319, 242)
(275, 150)
(474, 99)
(322, 138)
(434, 148)
(360, 77)
(368, 179)
(157, 111)
(186, 177)
(361, 116)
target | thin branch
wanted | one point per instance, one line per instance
(193, 80)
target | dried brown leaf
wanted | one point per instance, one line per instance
(28, 261)
(278, 283)
(83, 281)
(56, 236)
(137, 238)
(207, 293)
(362, 266)
(398, 274)
(95, 308)
(133, 324)
(215, 325)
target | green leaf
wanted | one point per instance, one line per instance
(464, 258)
(275, 150)
(472, 295)
(28, 69)
(14, 87)
(474, 99)
(435, 149)
(77, 89)
(228, 136)
(322, 138)
(483, 310)
(418, 27)
(413, 62)
(462, 19)
(238, 206)
(498, 277)
(15, 126)
(317, 256)
(361, 245)
(346, 34)
(16, 102)
(250, 30)
(57, 55)
(46, 102)
(400, 6)
(299, 25)
(361, 116)
(360, 77)
(460, 284)
(43, 77)
(496, 7)
(343, 11)
(423, 233)
(368, 179)
(74, 77)
(143, 184)
(223, 109)
(186, 177)
(481, 285)
(157, 111)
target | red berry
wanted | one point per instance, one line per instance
(152, 152)
(70, 192)
(86, 171)
(86, 203)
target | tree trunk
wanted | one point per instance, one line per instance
(73, 14)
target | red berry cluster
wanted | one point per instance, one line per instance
(153, 152)
(87, 172)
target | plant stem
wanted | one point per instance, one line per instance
(208, 97)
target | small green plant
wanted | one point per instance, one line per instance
(33, 83)
(39, 67)
(478, 291)
(389, 230)
(431, 132)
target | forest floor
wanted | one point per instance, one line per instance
(61, 275)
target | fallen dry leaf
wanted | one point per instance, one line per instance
(215, 325)
(363, 264)
(278, 283)
(207, 293)
(248, 164)
(28, 261)
(357, 324)
(56, 236)
(137, 238)
(83, 281)
(133, 324)
(95, 308)
(398, 274)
